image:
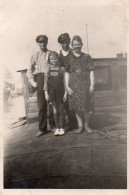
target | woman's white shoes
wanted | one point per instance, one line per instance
(59, 132)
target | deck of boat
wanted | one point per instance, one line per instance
(72, 161)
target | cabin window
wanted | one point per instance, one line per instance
(103, 78)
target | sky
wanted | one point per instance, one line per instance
(23, 20)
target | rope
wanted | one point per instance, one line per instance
(103, 133)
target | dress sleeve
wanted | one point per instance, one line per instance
(90, 63)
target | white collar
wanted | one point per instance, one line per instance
(76, 54)
(42, 52)
(65, 53)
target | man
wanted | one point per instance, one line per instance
(38, 67)
(65, 52)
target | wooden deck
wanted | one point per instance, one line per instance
(67, 162)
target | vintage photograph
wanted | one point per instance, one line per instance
(64, 94)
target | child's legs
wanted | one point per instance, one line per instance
(56, 115)
(79, 119)
(61, 115)
(50, 116)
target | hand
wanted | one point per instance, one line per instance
(47, 96)
(65, 97)
(69, 90)
(34, 84)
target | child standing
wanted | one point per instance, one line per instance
(55, 92)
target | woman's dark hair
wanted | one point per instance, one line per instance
(52, 53)
(77, 38)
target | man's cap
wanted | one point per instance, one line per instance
(41, 38)
(63, 37)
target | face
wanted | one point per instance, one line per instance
(43, 45)
(54, 60)
(77, 46)
(65, 45)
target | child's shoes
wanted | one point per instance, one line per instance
(57, 132)
(62, 132)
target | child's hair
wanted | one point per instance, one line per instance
(53, 53)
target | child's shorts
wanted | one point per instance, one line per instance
(56, 89)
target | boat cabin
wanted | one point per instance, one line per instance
(110, 85)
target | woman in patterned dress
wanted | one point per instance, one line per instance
(79, 78)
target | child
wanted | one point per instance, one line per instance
(55, 92)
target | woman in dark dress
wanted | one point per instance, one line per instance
(79, 78)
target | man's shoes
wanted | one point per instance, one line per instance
(57, 132)
(62, 132)
(40, 133)
(67, 129)
(52, 130)
(78, 131)
(70, 128)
